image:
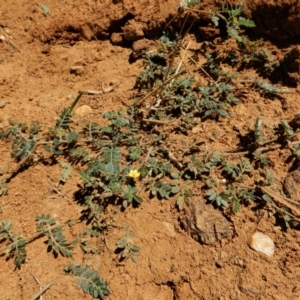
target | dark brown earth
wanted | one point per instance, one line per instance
(89, 45)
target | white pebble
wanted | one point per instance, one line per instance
(262, 243)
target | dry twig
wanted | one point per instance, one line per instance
(281, 200)
(42, 291)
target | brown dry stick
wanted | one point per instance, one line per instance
(279, 199)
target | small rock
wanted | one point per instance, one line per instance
(117, 38)
(170, 229)
(2, 104)
(262, 243)
(291, 185)
(238, 262)
(198, 128)
(77, 70)
(205, 224)
(133, 31)
(223, 255)
(83, 110)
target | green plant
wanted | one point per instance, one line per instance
(15, 246)
(88, 280)
(185, 197)
(152, 147)
(178, 92)
(238, 171)
(66, 171)
(127, 247)
(46, 226)
(266, 87)
(234, 21)
(285, 131)
(264, 57)
(56, 240)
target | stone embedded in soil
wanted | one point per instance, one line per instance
(170, 230)
(205, 224)
(133, 31)
(291, 185)
(83, 110)
(238, 261)
(3, 104)
(77, 70)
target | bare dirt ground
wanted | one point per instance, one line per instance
(87, 45)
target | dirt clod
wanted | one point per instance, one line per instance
(117, 38)
(291, 65)
(133, 31)
(86, 31)
(140, 47)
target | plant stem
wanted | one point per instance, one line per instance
(34, 236)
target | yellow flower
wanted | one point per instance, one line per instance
(134, 174)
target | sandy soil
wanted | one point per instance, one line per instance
(87, 45)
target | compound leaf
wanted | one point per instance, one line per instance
(65, 172)
(89, 280)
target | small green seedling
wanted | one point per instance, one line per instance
(128, 248)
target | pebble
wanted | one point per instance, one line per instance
(238, 262)
(223, 255)
(170, 229)
(83, 110)
(262, 243)
(77, 70)
(2, 104)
